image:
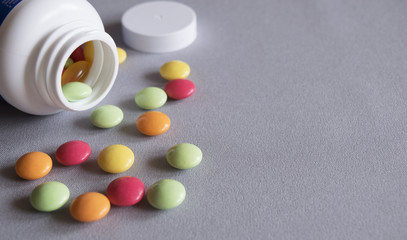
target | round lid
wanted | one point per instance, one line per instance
(158, 27)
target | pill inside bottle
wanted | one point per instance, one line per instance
(79, 67)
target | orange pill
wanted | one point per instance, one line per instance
(33, 165)
(77, 72)
(153, 123)
(89, 207)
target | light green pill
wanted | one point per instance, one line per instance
(106, 116)
(184, 156)
(49, 196)
(68, 63)
(166, 194)
(76, 91)
(151, 98)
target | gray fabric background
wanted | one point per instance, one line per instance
(300, 111)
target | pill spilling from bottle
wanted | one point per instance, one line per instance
(123, 191)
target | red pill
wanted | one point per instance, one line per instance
(125, 191)
(77, 54)
(73, 153)
(179, 88)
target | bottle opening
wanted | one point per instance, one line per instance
(74, 54)
(86, 75)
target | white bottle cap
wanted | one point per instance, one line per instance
(158, 27)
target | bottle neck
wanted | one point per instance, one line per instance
(52, 57)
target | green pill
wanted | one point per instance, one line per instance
(151, 98)
(68, 63)
(184, 156)
(76, 91)
(49, 196)
(106, 116)
(166, 194)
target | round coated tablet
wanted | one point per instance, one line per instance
(151, 98)
(106, 116)
(89, 207)
(125, 191)
(77, 72)
(153, 123)
(179, 88)
(76, 91)
(174, 70)
(49, 196)
(184, 156)
(166, 194)
(122, 55)
(73, 153)
(115, 158)
(88, 52)
(33, 165)
(68, 63)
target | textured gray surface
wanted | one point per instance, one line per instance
(300, 111)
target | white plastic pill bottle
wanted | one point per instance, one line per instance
(36, 39)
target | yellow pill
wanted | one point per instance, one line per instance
(122, 55)
(77, 72)
(88, 52)
(175, 70)
(115, 158)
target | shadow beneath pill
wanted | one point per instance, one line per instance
(128, 105)
(9, 173)
(144, 206)
(132, 131)
(84, 123)
(160, 163)
(66, 221)
(91, 166)
(63, 215)
(155, 79)
(23, 204)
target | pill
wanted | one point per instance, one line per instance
(174, 70)
(179, 88)
(115, 158)
(166, 194)
(125, 191)
(77, 54)
(184, 156)
(106, 116)
(151, 98)
(33, 165)
(88, 52)
(68, 63)
(73, 153)
(49, 196)
(77, 72)
(76, 91)
(89, 207)
(153, 123)
(122, 55)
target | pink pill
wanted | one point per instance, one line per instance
(73, 153)
(125, 191)
(77, 54)
(179, 88)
